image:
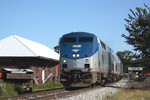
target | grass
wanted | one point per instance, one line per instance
(125, 94)
(48, 85)
(9, 89)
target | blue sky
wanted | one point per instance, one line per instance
(45, 21)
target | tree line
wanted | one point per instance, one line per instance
(138, 27)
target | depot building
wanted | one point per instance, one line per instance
(23, 60)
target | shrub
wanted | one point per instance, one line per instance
(19, 89)
(7, 89)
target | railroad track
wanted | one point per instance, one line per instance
(51, 94)
(36, 95)
(48, 95)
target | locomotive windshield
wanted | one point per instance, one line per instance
(85, 39)
(69, 40)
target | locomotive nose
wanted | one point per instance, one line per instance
(76, 64)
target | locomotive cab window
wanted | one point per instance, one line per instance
(85, 39)
(103, 45)
(69, 40)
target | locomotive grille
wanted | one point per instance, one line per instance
(64, 65)
(87, 65)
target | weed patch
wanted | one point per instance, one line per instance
(125, 94)
(9, 89)
(48, 85)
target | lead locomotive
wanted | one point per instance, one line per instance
(85, 61)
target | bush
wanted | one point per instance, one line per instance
(19, 89)
(1, 87)
(7, 89)
(10, 89)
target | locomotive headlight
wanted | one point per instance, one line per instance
(86, 60)
(78, 55)
(74, 55)
(64, 60)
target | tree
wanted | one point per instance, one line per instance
(56, 48)
(128, 58)
(138, 27)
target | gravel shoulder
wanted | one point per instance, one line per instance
(98, 94)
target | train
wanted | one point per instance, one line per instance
(85, 60)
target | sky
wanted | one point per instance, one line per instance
(45, 21)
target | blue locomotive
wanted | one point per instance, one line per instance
(85, 60)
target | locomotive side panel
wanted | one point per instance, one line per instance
(105, 67)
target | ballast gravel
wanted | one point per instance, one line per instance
(98, 94)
